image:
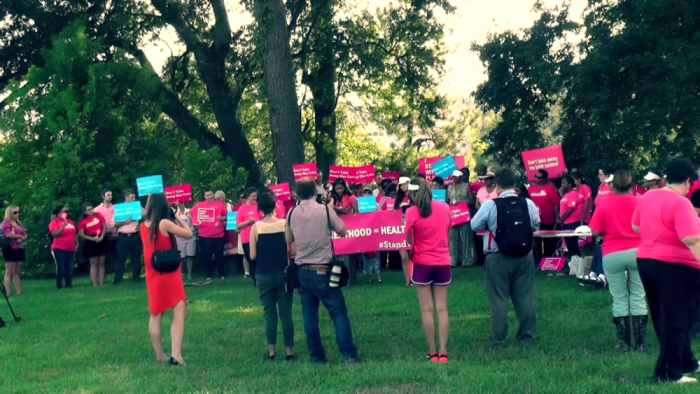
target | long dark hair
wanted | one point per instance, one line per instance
(85, 205)
(526, 193)
(158, 210)
(346, 192)
(423, 197)
(400, 195)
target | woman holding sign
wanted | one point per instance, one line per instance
(165, 289)
(248, 214)
(92, 229)
(462, 249)
(210, 216)
(428, 226)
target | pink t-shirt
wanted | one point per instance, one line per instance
(483, 195)
(245, 213)
(108, 215)
(665, 218)
(280, 212)
(613, 218)
(67, 241)
(573, 200)
(639, 191)
(693, 187)
(604, 190)
(587, 195)
(431, 235)
(545, 198)
(217, 229)
(476, 186)
(7, 229)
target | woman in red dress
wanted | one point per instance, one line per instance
(165, 290)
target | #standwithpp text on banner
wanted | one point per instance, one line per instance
(372, 232)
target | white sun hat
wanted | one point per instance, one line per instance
(650, 176)
(457, 173)
(404, 180)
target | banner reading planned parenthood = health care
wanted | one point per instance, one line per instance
(352, 175)
(372, 232)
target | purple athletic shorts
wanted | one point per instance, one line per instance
(439, 275)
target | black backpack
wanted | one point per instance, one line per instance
(514, 228)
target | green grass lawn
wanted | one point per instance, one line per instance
(96, 341)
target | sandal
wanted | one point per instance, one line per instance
(443, 359)
(270, 358)
(174, 362)
(433, 357)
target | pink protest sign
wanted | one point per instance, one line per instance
(552, 263)
(352, 175)
(304, 170)
(460, 214)
(550, 159)
(231, 245)
(425, 167)
(282, 192)
(178, 194)
(371, 232)
(204, 217)
(392, 176)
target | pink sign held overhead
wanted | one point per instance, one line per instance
(425, 167)
(178, 194)
(550, 159)
(392, 176)
(352, 175)
(304, 170)
(460, 214)
(372, 232)
(282, 192)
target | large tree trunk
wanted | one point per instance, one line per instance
(324, 102)
(285, 118)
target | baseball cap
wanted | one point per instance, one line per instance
(650, 176)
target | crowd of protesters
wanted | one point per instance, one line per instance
(647, 250)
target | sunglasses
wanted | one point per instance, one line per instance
(539, 177)
(15, 213)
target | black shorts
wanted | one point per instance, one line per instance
(14, 255)
(93, 249)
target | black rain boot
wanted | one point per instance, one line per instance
(2, 323)
(624, 333)
(639, 325)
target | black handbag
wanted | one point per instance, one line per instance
(166, 261)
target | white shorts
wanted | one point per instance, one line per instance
(187, 249)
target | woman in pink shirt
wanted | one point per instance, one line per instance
(604, 174)
(571, 211)
(210, 218)
(587, 196)
(64, 245)
(612, 220)
(248, 214)
(546, 198)
(668, 260)
(14, 254)
(487, 192)
(428, 226)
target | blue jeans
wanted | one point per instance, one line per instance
(64, 268)
(315, 289)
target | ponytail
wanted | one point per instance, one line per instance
(423, 197)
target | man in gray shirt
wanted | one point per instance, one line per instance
(309, 231)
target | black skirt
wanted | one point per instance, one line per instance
(14, 255)
(92, 249)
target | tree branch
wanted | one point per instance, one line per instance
(295, 7)
(173, 17)
(221, 30)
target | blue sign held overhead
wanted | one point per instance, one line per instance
(445, 167)
(126, 211)
(231, 218)
(367, 204)
(440, 195)
(150, 184)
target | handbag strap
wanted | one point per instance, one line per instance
(173, 241)
(330, 230)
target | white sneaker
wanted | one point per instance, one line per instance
(685, 380)
(574, 266)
